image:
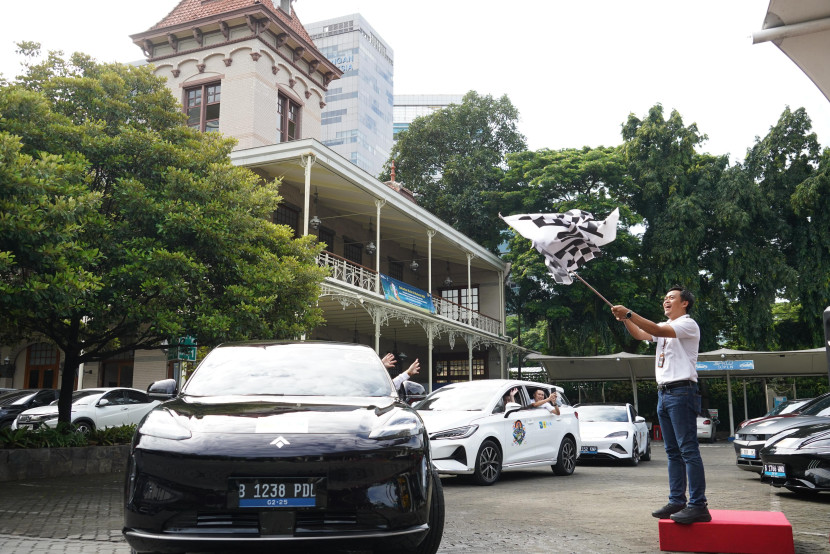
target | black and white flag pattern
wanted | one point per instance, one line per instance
(566, 240)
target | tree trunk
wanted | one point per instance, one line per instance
(70, 372)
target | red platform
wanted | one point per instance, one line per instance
(730, 531)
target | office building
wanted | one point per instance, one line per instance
(410, 106)
(357, 120)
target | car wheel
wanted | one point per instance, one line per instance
(488, 463)
(635, 454)
(647, 454)
(802, 492)
(432, 541)
(84, 426)
(566, 461)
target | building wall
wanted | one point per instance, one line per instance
(357, 120)
(251, 77)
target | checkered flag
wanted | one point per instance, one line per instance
(566, 240)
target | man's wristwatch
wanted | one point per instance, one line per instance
(628, 314)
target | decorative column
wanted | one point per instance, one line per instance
(307, 161)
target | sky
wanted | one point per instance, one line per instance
(574, 70)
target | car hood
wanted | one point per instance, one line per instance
(42, 410)
(281, 415)
(600, 429)
(436, 421)
(777, 424)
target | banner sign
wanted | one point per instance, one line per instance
(729, 365)
(398, 291)
(183, 348)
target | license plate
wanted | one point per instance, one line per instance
(589, 450)
(278, 492)
(748, 453)
(775, 470)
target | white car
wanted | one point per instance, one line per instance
(706, 428)
(613, 432)
(473, 432)
(93, 409)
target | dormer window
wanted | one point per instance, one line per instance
(202, 106)
(288, 119)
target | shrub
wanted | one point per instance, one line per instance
(63, 436)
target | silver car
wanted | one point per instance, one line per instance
(750, 439)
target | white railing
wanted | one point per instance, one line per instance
(362, 277)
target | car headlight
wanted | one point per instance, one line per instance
(164, 425)
(35, 418)
(400, 425)
(457, 433)
(821, 442)
(623, 434)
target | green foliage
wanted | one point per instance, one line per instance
(63, 436)
(454, 158)
(122, 434)
(121, 228)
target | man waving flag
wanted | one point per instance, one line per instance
(566, 240)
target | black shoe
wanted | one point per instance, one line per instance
(692, 514)
(667, 510)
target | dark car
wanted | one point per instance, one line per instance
(798, 459)
(790, 407)
(16, 401)
(750, 439)
(277, 443)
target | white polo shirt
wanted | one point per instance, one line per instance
(680, 353)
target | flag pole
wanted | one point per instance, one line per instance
(592, 288)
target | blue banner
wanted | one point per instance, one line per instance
(729, 365)
(398, 291)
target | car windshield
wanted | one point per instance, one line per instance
(787, 407)
(16, 397)
(467, 396)
(602, 413)
(308, 369)
(83, 396)
(819, 407)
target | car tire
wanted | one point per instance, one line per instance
(84, 426)
(566, 461)
(646, 457)
(488, 463)
(802, 492)
(432, 541)
(635, 454)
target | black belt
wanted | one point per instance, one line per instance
(676, 384)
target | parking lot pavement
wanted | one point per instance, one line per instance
(600, 508)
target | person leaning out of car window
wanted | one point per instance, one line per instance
(389, 363)
(546, 402)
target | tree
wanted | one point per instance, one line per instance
(592, 179)
(453, 157)
(120, 228)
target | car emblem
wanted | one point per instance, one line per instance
(280, 442)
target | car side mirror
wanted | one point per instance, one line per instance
(163, 390)
(103, 402)
(511, 407)
(639, 419)
(411, 391)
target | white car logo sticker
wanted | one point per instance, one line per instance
(279, 442)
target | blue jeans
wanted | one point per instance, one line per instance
(677, 411)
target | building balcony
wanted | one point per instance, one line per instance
(364, 278)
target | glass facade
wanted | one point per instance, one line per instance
(410, 106)
(357, 119)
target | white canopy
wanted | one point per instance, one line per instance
(801, 29)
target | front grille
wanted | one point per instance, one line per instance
(218, 523)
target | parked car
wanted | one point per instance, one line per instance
(749, 440)
(473, 432)
(93, 409)
(13, 402)
(271, 443)
(792, 407)
(613, 432)
(707, 426)
(798, 459)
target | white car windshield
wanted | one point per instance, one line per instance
(467, 396)
(602, 413)
(308, 369)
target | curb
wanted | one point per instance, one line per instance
(20, 464)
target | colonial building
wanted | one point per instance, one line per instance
(401, 280)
